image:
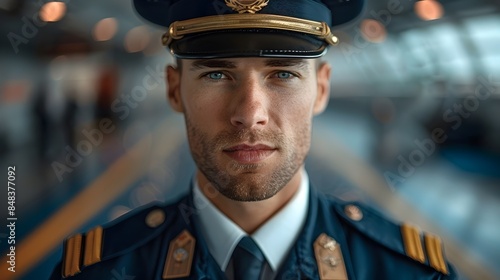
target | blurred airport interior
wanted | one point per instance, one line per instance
(412, 126)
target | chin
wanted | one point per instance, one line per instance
(250, 191)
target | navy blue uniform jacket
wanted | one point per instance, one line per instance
(372, 246)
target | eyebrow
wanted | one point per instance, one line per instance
(300, 63)
(212, 63)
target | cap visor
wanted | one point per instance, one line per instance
(248, 43)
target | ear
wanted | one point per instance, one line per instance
(323, 82)
(173, 88)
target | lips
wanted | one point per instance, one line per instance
(244, 153)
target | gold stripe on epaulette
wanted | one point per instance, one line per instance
(434, 249)
(93, 246)
(72, 255)
(412, 242)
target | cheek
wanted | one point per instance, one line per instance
(296, 116)
(199, 106)
(294, 110)
(295, 123)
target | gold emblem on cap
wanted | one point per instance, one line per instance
(180, 256)
(353, 212)
(329, 258)
(155, 218)
(246, 6)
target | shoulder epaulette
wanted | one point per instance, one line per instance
(100, 243)
(403, 238)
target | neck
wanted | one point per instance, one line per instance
(249, 216)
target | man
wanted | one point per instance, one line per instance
(248, 82)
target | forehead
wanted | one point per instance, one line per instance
(244, 63)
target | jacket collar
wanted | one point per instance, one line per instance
(300, 263)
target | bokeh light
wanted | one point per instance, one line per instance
(137, 39)
(373, 31)
(105, 29)
(429, 9)
(53, 11)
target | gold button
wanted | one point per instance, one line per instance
(155, 218)
(353, 212)
(335, 39)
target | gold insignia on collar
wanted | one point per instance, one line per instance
(180, 256)
(329, 258)
(246, 6)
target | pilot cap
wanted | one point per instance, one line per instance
(201, 29)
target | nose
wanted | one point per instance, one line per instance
(249, 105)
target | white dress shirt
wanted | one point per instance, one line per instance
(276, 237)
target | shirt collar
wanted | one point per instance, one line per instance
(275, 238)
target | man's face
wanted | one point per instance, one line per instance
(249, 119)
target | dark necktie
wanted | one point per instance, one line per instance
(248, 260)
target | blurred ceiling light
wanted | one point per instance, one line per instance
(53, 11)
(429, 9)
(105, 29)
(373, 31)
(137, 39)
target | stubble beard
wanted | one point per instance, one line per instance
(246, 182)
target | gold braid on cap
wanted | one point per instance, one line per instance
(178, 29)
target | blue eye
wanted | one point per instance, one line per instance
(284, 75)
(215, 75)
